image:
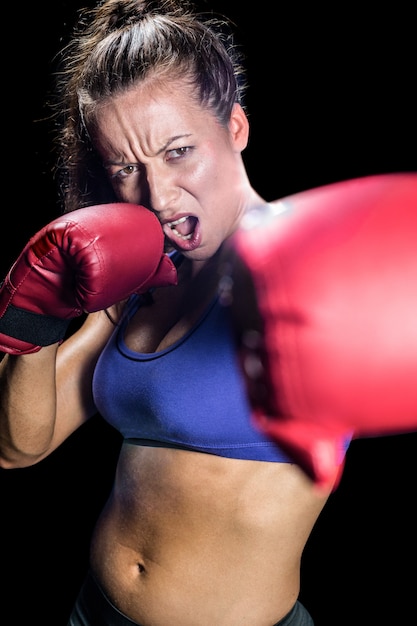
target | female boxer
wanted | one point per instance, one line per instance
(208, 517)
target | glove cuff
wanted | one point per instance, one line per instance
(34, 328)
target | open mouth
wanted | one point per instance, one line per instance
(183, 227)
(183, 233)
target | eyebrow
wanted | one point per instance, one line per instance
(171, 140)
(162, 149)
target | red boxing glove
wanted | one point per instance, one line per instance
(334, 273)
(83, 261)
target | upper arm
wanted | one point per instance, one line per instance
(76, 360)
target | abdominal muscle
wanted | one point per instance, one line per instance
(192, 539)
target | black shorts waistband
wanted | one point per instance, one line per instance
(92, 607)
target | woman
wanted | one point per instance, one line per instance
(208, 518)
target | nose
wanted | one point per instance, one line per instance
(163, 191)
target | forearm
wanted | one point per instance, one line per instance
(47, 395)
(27, 406)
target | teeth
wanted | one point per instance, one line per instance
(180, 221)
(174, 230)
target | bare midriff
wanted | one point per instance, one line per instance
(193, 539)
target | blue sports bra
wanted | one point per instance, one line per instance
(191, 395)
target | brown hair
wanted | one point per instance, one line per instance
(118, 43)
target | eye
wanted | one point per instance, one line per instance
(125, 171)
(177, 153)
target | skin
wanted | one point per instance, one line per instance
(202, 539)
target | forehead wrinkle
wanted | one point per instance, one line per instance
(142, 123)
(154, 127)
(132, 125)
(134, 150)
(114, 151)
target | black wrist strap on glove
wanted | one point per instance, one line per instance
(42, 330)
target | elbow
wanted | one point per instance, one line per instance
(13, 458)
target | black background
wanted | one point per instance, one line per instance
(331, 96)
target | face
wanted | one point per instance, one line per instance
(163, 150)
